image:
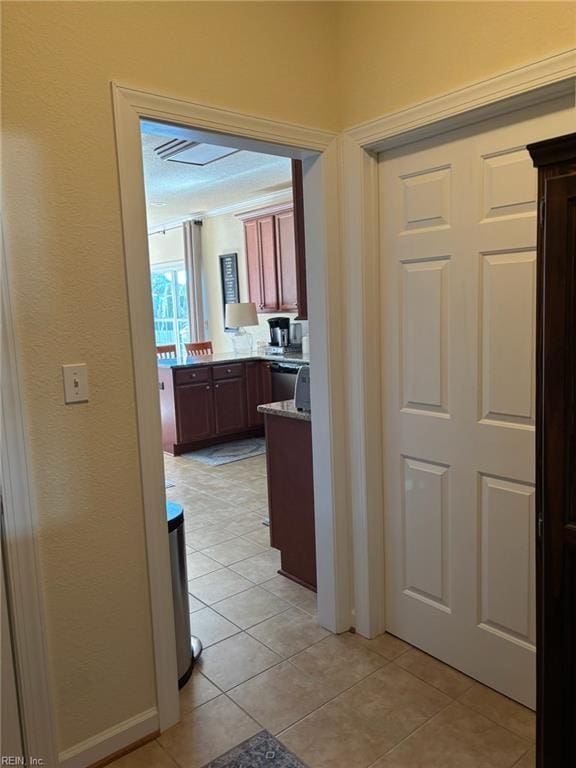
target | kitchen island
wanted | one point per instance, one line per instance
(214, 398)
(291, 489)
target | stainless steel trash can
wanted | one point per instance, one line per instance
(186, 648)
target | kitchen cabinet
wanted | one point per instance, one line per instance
(286, 262)
(291, 496)
(276, 281)
(230, 406)
(258, 390)
(194, 412)
(203, 405)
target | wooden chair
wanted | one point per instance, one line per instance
(165, 351)
(198, 348)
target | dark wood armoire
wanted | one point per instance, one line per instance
(556, 451)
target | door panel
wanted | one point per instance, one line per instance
(254, 263)
(195, 412)
(286, 262)
(458, 296)
(267, 239)
(230, 405)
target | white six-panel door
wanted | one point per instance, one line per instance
(458, 307)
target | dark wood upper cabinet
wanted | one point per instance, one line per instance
(275, 254)
(286, 262)
(268, 269)
(299, 239)
(254, 262)
(556, 452)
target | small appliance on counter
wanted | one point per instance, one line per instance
(280, 337)
(302, 389)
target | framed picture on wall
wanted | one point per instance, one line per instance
(230, 284)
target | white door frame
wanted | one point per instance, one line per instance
(534, 83)
(348, 485)
(318, 151)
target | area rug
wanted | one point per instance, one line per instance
(261, 751)
(225, 453)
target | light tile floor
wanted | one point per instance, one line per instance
(335, 701)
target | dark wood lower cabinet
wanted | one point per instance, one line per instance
(556, 453)
(291, 496)
(258, 390)
(230, 406)
(194, 412)
(203, 405)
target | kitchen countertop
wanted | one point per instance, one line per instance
(232, 357)
(285, 408)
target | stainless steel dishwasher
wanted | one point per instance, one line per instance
(283, 380)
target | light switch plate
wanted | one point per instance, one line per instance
(75, 383)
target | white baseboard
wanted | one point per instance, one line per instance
(112, 740)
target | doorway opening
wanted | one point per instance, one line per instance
(228, 286)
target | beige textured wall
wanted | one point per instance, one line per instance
(396, 54)
(65, 250)
(66, 263)
(165, 247)
(225, 234)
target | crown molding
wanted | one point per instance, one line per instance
(536, 82)
(256, 204)
(245, 206)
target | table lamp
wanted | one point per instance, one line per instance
(238, 316)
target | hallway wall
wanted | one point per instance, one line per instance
(315, 64)
(64, 244)
(395, 54)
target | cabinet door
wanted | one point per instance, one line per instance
(230, 406)
(286, 262)
(267, 239)
(254, 263)
(258, 391)
(194, 412)
(299, 239)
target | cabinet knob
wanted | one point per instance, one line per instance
(229, 370)
(207, 386)
(193, 375)
(161, 384)
(217, 386)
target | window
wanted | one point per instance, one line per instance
(170, 304)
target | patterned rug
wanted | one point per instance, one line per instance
(225, 453)
(261, 751)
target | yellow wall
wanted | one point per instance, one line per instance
(65, 250)
(66, 261)
(393, 55)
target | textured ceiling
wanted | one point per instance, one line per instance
(185, 189)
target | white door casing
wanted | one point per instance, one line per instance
(458, 288)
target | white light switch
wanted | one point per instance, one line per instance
(75, 383)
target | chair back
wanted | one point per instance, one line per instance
(165, 351)
(199, 348)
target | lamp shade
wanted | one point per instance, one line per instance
(240, 315)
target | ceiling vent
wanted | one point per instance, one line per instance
(192, 152)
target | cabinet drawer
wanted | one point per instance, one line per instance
(232, 371)
(192, 375)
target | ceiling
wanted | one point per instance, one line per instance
(175, 190)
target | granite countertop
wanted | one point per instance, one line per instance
(285, 408)
(232, 357)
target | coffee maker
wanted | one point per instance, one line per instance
(279, 332)
(283, 337)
